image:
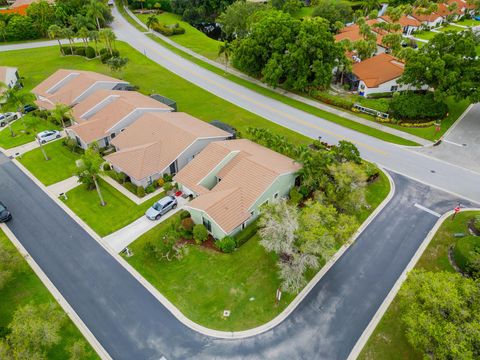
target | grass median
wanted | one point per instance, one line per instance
(118, 212)
(25, 288)
(388, 341)
(60, 166)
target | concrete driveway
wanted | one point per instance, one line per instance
(131, 323)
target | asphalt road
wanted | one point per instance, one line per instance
(131, 324)
(445, 175)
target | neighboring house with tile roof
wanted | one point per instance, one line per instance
(352, 33)
(409, 24)
(231, 180)
(428, 20)
(105, 113)
(9, 76)
(378, 74)
(69, 87)
(161, 143)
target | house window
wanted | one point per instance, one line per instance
(394, 88)
(252, 213)
(207, 224)
(112, 135)
(275, 196)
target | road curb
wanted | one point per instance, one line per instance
(57, 295)
(176, 312)
(361, 342)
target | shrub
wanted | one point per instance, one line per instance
(150, 189)
(227, 244)
(246, 234)
(121, 177)
(380, 95)
(188, 224)
(140, 191)
(476, 223)
(106, 167)
(467, 255)
(167, 177)
(167, 186)
(200, 233)
(333, 100)
(70, 143)
(67, 50)
(417, 108)
(295, 196)
(160, 182)
(105, 55)
(184, 214)
(80, 51)
(90, 52)
(130, 187)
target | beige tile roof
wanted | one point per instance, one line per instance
(113, 106)
(78, 81)
(156, 140)
(244, 178)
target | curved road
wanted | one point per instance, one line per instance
(131, 323)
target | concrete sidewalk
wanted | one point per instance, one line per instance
(63, 186)
(125, 236)
(137, 200)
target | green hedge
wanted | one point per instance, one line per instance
(417, 108)
(467, 255)
(246, 234)
(168, 30)
(333, 100)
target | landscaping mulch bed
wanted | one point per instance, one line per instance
(209, 243)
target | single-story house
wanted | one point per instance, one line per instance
(378, 74)
(428, 20)
(408, 23)
(456, 14)
(69, 87)
(160, 143)
(352, 33)
(9, 76)
(231, 180)
(105, 113)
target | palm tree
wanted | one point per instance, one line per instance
(95, 10)
(68, 34)
(370, 5)
(31, 124)
(15, 99)
(226, 49)
(93, 36)
(109, 37)
(141, 3)
(3, 29)
(90, 170)
(83, 34)
(152, 20)
(60, 113)
(55, 32)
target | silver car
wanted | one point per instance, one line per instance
(161, 207)
(48, 135)
(7, 118)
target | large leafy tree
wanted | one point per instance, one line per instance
(333, 11)
(441, 314)
(42, 14)
(308, 61)
(448, 64)
(235, 20)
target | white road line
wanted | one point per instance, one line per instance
(453, 143)
(427, 210)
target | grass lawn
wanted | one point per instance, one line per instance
(60, 166)
(117, 213)
(26, 288)
(206, 282)
(468, 22)
(21, 137)
(451, 28)
(193, 38)
(425, 35)
(388, 341)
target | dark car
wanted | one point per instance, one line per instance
(5, 215)
(29, 108)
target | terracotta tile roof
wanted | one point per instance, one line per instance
(244, 178)
(404, 21)
(426, 17)
(378, 70)
(352, 32)
(100, 111)
(20, 10)
(156, 140)
(443, 9)
(64, 86)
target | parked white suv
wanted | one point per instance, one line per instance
(48, 135)
(7, 118)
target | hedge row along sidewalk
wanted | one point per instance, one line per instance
(337, 116)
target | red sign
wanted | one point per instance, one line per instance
(457, 209)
